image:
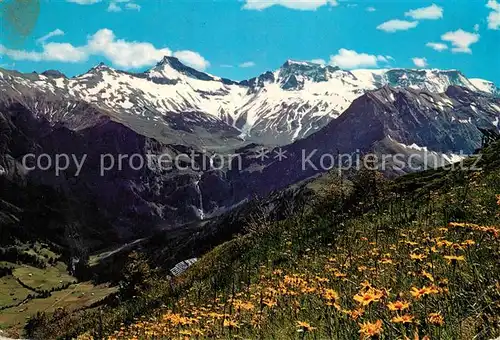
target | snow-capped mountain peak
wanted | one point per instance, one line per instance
(172, 68)
(293, 74)
(100, 67)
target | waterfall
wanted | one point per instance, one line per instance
(201, 213)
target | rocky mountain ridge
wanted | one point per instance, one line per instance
(275, 108)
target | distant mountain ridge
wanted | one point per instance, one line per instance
(275, 108)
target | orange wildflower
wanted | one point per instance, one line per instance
(355, 314)
(436, 319)
(369, 329)
(330, 295)
(231, 324)
(398, 305)
(304, 327)
(417, 293)
(453, 259)
(270, 303)
(427, 275)
(372, 295)
(407, 318)
(418, 257)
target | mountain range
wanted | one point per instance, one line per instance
(275, 108)
(176, 110)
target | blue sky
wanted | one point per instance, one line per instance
(239, 39)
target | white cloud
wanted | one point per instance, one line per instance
(432, 12)
(319, 61)
(113, 7)
(192, 59)
(226, 66)
(84, 2)
(247, 64)
(420, 62)
(133, 7)
(494, 16)
(306, 5)
(54, 33)
(64, 52)
(121, 53)
(19, 54)
(349, 59)
(461, 40)
(437, 46)
(51, 52)
(493, 4)
(476, 28)
(371, 9)
(395, 25)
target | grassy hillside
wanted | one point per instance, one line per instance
(412, 258)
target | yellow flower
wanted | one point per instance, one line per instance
(444, 243)
(198, 332)
(467, 243)
(372, 295)
(243, 305)
(320, 279)
(365, 284)
(398, 305)
(407, 318)
(436, 319)
(386, 260)
(230, 323)
(355, 314)
(417, 293)
(427, 275)
(330, 295)
(270, 302)
(417, 257)
(453, 259)
(368, 329)
(304, 327)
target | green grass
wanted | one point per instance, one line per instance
(11, 292)
(39, 250)
(50, 278)
(5, 264)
